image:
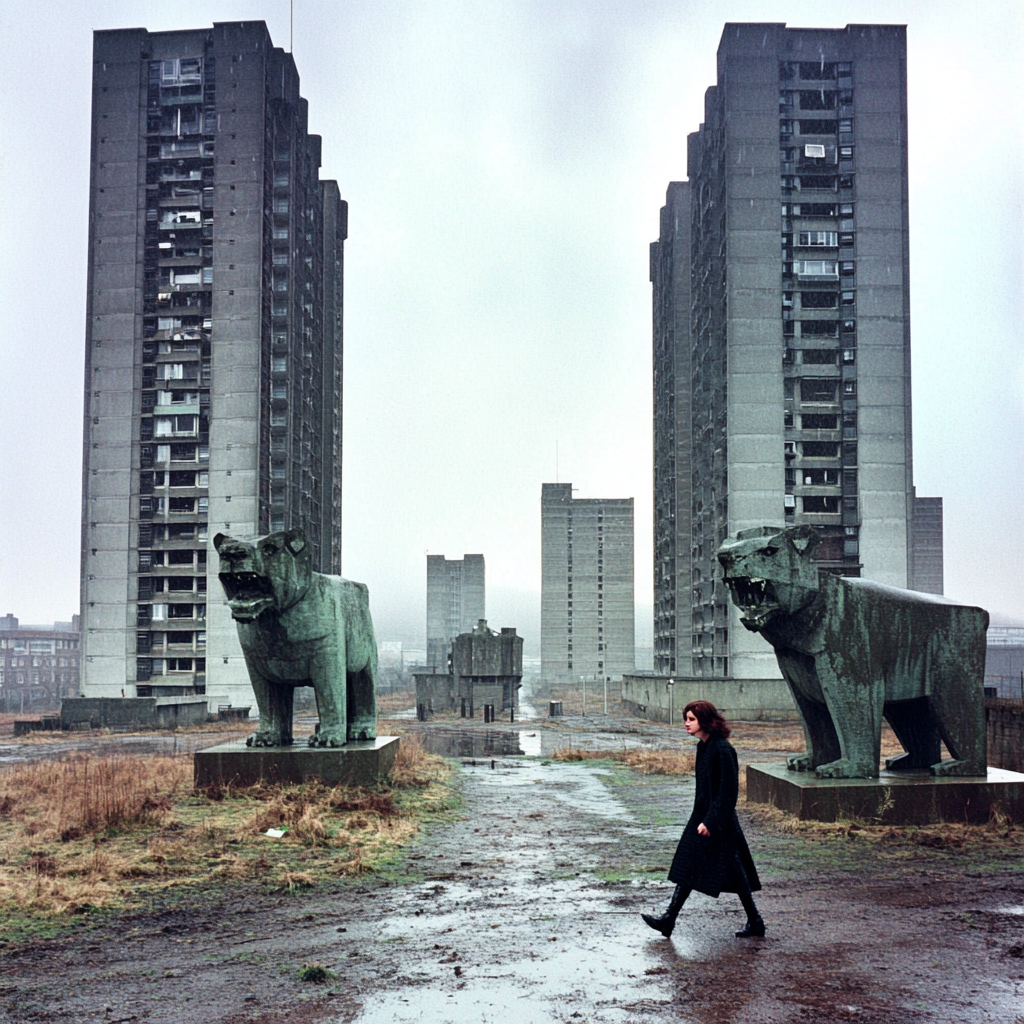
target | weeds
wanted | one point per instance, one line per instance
(645, 760)
(315, 973)
(113, 831)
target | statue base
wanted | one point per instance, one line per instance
(358, 763)
(894, 798)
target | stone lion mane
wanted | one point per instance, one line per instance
(300, 628)
(855, 652)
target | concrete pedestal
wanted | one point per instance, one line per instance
(895, 798)
(358, 763)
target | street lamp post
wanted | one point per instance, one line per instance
(671, 692)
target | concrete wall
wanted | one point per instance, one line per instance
(1004, 733)
(741, 700)
(132, 712)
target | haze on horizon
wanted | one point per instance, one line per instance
(504, 166)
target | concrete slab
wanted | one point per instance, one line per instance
(359, 763)
(895, 798)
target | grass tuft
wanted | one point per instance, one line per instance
(645, 760)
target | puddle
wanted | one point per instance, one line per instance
(472, 743)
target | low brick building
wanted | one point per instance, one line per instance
(39, 665)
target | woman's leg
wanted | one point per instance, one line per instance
(667, 921)
(754, 927)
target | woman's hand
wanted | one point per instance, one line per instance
(703, 830)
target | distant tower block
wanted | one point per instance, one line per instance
(455, 602)
(587, 615)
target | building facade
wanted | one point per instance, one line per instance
(456, 598)
(587, 612)
(39, 665)
(782, 329)
(926, 549)
(213, 375)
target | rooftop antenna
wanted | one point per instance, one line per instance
(291, 25)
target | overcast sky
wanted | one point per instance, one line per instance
(504, 163)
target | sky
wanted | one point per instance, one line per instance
(504, 164)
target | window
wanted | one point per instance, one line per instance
(818, 238)
(846, 268)
(817, 99)
(819, 449)
(817, 127)
(849, 298)
(280, 364)
(820, 356)
(819, 328)
(849, 355)
(814, 151)
(819, 300)
(790, 504)
(820, 504)
(849, 387)
(816, 269)
(818, 421)
(814, 210)
(823, 181)
(811, 71)
(817, 389)
(785, 127)
(846, 125)
(159, 612)
(846, 152)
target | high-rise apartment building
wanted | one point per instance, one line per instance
(213, 375)
(926, 550)
(455, 602)
(587, 621)
(782, 328)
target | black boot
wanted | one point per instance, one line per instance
(667, 921)
(754, 928)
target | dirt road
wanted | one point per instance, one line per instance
(526, 910)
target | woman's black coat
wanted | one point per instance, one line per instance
(710, 864)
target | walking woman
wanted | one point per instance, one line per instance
(712, 856)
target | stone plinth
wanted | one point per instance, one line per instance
(358, 763)
(895, 798)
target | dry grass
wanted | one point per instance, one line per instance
(999, 833)
(788, 738)
(90, 832)
(395, 700)
(645, 760)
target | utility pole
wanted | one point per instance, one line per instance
(606, 696)
(671, 687)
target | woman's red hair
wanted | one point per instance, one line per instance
(709, 719)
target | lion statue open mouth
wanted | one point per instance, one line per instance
(301, 628)
(855, 652)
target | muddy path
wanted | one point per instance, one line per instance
(525, 909)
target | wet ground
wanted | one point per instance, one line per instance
(526, 910)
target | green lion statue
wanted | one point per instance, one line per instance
(301, 628)
(855, 652)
